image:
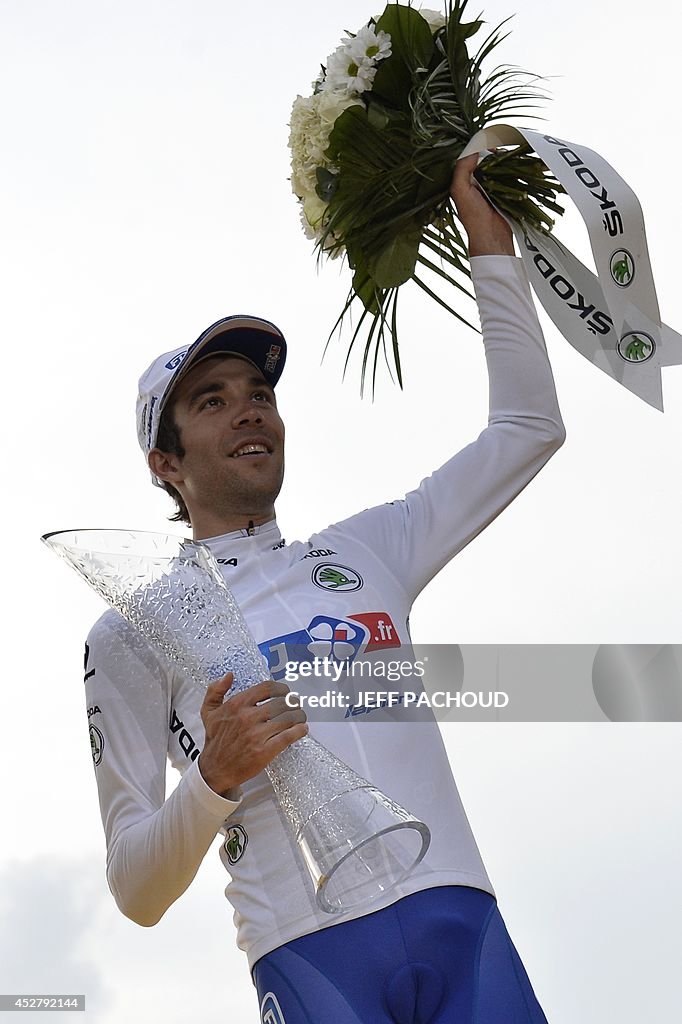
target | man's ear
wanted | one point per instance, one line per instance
(165, 465)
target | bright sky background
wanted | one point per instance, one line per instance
(145, 195)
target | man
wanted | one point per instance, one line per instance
(434, 949)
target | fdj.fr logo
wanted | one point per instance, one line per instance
(325, 636)
(270, 1010)
(622, 268)
(235, 843)
(329, 576)
(636, 347)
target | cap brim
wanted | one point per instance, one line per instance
(258, 341)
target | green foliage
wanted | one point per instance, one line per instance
(389, 203)
(411, 39)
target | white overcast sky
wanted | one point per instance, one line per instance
(144, 195)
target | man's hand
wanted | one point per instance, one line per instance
(489, 234)
(245, 733)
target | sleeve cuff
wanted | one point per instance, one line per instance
(499, 264)
(216, 805)
(488, 273)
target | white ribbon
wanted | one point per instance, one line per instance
(612, 318)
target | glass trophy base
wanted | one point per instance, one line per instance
(358, 847)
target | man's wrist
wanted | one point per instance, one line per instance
(492, 246)
(223, 791)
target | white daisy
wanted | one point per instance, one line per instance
(349, 73)
(370, 45)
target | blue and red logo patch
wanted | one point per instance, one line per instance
(339, 640)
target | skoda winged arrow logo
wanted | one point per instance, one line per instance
(329, 576)
(235, 843)
(622, 268)
(96, 745)
(636, 347)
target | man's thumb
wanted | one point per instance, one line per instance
(215, 691)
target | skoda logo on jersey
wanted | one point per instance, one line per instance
(270, 1010)
(235, 844)
(330, 576)
(96, 745)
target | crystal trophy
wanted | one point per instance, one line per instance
(355, 841)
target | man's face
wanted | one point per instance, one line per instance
(233, 438)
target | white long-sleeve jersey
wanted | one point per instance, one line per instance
(141, 712)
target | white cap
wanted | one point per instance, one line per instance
(257, 340)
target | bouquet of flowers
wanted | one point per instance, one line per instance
(374, 148)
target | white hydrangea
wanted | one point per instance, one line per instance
(350, 70)
(435, 19)
(312, 120)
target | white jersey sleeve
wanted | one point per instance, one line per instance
(154, 845)
(418, 535)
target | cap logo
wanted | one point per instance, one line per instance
(173, 363)
(272, 357)
(150, 421)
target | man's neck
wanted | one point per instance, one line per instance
(204, 526)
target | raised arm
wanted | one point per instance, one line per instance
(417, 535)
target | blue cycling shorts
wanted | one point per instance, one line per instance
(440, 956)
